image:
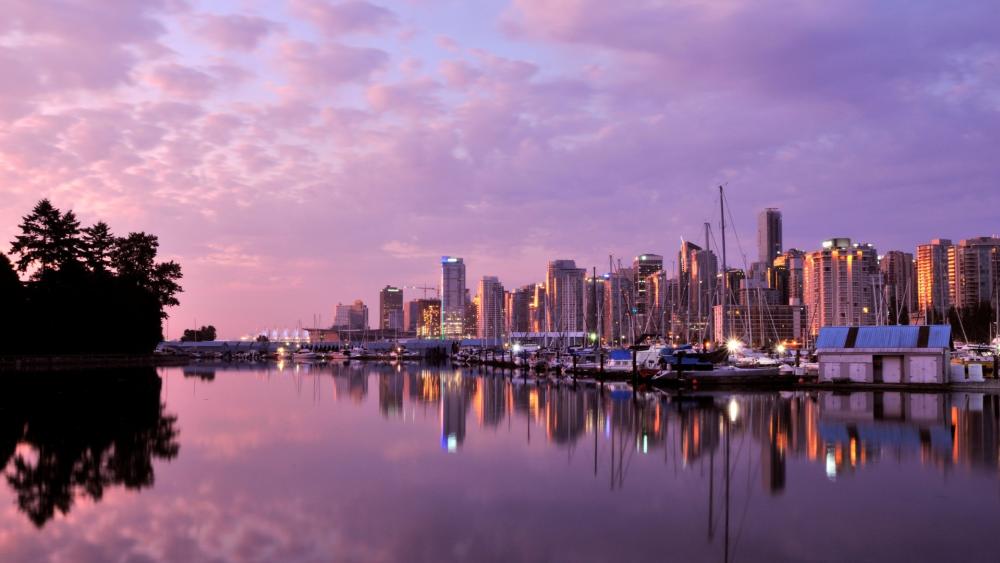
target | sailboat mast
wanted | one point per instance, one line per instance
(725, 273)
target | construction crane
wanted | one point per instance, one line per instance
(423, 288)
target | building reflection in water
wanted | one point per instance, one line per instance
(100, 430)
(837, 433)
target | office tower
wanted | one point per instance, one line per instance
(538, 308)
(769, 235)
(841, 282)
(470, 324)
(786, 276)
(517, 309)
(662, 292)
(352, 317)
(490, 318)
(617, 323)
(698, 278)
(453, 297)
(411, 316)
(899, 279)
(644, 266)
(564, 295)
(390, 307)
(976, 272)
(935, 273)
(430, 318)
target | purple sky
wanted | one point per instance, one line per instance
(291, 158)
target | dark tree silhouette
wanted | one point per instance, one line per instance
(49, 239)
(112, 287)
(203, 334)
(98, 247)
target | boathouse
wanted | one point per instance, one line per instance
(885, 354)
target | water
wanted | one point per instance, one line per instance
(378, 463)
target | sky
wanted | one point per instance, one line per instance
(294, 155)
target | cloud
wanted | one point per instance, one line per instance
(235, 31)
(340, 18)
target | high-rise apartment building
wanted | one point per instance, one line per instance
(786, 275)
(644, 266)
(517, 308)
(490, 316)
(453, 297)
(430, 318)
(769, 235)
(935, 275)
(538, 308)
(698, 279)
(390, 308)
(617, 323)
(899, 283)
(841, 282)
(564, 294)
(977, 271)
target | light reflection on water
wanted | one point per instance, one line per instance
(417, 463)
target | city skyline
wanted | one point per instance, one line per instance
(294, 156)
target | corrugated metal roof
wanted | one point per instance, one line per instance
(938, 336)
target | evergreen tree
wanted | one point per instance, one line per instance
(49, 240)
(98, 247)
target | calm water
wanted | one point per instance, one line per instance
(375, 463)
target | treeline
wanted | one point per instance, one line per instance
(82, 290)
(973, 324)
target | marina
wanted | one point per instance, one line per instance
(435, 463)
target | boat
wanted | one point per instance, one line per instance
(306, 355)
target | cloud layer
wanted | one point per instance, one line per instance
(293, 158)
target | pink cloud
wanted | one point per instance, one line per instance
(330, 64)
(235, 31)
(340, 18)
(180, 81)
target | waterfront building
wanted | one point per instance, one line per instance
(390, 307)
(517, 309)
(786, 275)
(841, 282)
(698, 279)
(977, 270)
(935, 272)
(885, 354)
(564, 294)
(899, 279)
(490, 317)
(644, 266)
(663, 292)
(538, 308)
(430, 319)
(470, 325)
(453, 297)
(353, 316)
(617, 319)
(769, 243)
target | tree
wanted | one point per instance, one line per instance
(49, 240)
(11, 304)
(98, 247)
(203, 334)
(134, 260)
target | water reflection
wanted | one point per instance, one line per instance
(71, 435)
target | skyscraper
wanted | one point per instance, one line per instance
(769, 235)
(453, 297)
(786, 275)
(564, 293)
(390, 308)
(617, 314)
(698, 279)
(976, 272)
(935, 272)
(841, 281)
(353, 316)
(517, 308)
(490, 316)
(644, 266)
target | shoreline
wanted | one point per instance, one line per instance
(18, 364)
